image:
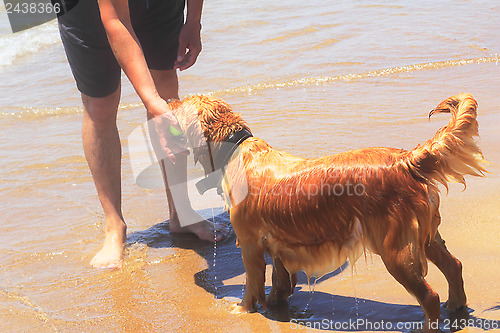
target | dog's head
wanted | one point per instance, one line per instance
(206, 120)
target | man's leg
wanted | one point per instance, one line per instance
(101, 144)
(167, 85)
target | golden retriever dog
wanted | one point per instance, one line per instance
(313, 214)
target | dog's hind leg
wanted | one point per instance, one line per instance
(406, 269)
(451, 267)
(255, 266)
(283, 283)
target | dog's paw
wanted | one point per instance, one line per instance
(454, 307)
(238, 309)
(276, 298)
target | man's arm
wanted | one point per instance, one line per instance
(115, 17)
(189, 38)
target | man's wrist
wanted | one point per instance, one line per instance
(193, 22)
(156, 106)
(194, 9)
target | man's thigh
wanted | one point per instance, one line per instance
(157, 24)
(92, 62)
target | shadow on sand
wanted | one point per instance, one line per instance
(308, 309)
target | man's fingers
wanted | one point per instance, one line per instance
(181, 50)
(187, 53)
(171, 118)
(176, 151)
(171, 158)
(187, 61)
(181, 62)
(191, 59)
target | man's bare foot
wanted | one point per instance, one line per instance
(205, 230)
(111, 254)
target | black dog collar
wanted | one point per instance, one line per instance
(221, 159)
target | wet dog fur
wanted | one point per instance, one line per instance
(295, 210)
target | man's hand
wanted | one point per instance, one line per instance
(164, 132)
(189, 45)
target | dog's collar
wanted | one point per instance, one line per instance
(221, 159)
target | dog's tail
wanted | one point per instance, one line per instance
(452, 152)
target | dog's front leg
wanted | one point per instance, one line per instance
(283, 283)
(255, 266)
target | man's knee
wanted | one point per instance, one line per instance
(102, 110)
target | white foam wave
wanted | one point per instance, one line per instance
(27, 112)
(27, 42)
(354, 76)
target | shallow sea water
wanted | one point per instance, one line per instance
(311, 79)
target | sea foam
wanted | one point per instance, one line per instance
(16, 45)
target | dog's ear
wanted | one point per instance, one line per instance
(217, 119)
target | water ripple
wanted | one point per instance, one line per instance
(351, 77)
(29, 112)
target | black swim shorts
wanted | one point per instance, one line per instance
(157, 24)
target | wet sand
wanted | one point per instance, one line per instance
(310, 80)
